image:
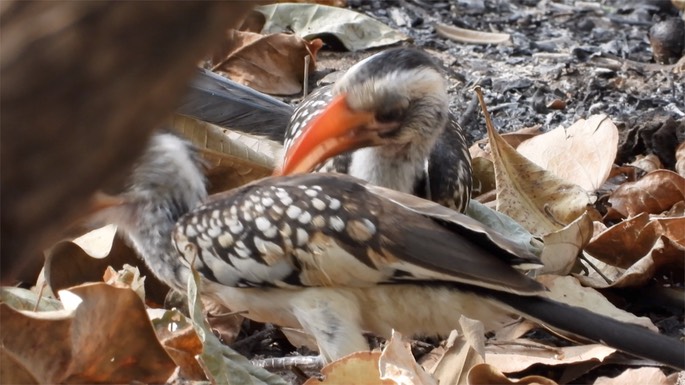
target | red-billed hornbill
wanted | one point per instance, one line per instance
(389, 117)
(337, 256)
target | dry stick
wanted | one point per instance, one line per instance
(305, 83)
(40, 295)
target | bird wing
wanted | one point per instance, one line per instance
(215, 99)
(333, 230)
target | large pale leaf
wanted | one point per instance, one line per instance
(581, 154)
(485, 374)
(233, 159)
(537, 199)
(461, 353)
(522, 354)
(360, 368)
(355, 31)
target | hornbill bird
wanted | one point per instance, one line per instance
(392, 108)
(337, 256)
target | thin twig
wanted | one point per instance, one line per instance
(305, 85)
(596, 269)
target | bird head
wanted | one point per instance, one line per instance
(396, 99)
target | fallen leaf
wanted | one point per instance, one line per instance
(354, 30)
(397, 364)
(85, 259)
(651, 376)
(505, 226)
(128, 277)
(516, 356)
(541, 202)
(461, 353)
(569, 291)
(485, 374)
(273, 64)
(22, 299)
(483, 176)
(664, 252)
(470, 36)
(582, 154)
(626, 242)
(233, 159)
(107, 337)
(654, 193)
(360, 368)
(561, 248)
(648, 163)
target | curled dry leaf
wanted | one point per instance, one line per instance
(537, 199)
(470, 36)
(664, 253)
(485, 374)
(561, 248)
(654, 193)
(128, 277)
(233, 159)
(273, 64)
(461, 353)
(652, 376)
(582, 154)
(360, 368)
(569, 291)
(397, 364)
(521, 354)
(106, 338)
(85, 259)
(354, 30)
(625, 243)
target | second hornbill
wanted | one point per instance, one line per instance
(387, 121)
(337, 256)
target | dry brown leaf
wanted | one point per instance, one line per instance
(569, 291)
(397, 364)
(481, 148)
(106, 338)
(273, 64)
(648, 163)
(470, 36)
(521, 354)
(461, 353)
(86, 258)
(233, 159)
(625, 243)
(360, 368)
(485, 374)
(561, 248)
(581, 154)
(651, 376)
(654, 193)
(680, 159)
(534, 197)
(664, 253)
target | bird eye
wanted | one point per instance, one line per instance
(389, 116)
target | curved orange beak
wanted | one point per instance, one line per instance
(337, 129)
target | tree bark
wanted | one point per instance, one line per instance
(82, 86)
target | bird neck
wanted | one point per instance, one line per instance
(395, 167)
